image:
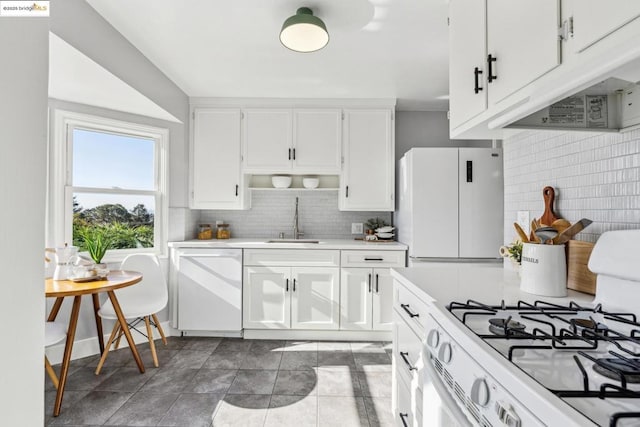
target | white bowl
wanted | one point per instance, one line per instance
(281, 181)
(310, 182)
(385, 229)
(385, 235)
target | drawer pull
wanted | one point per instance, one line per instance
(374, 259)
(411, 313)
(404, 355)
(403, 417)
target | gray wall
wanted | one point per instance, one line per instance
(595, 175)
(23, 131)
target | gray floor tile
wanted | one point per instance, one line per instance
(70, 398)
(342, 411)
(379, 411)
(211, 381)
(297, 383)
(253, 382)
(233, 345)
(126, 379)
(336, 358)
(194, 410)
(379, 362)
(188, 359)
(299, 360)
(73, 367)
(269, 360)
(338, 381)
(292, 411)
(164, 356)
(242, 410)
(261, 346)
(201, 343)
(143, 409)
(225, 360)
(95, 408)
(169, 381)
(375, 384)
(301, 346)
(85, 378)
(334, 346)
(367, 347)
(174, 343)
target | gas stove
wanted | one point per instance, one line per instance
(585, 355)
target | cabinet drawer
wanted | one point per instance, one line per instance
(292, 257)
(408, 408)
(372, 258)
(411, 309)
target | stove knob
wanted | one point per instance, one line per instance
(480, 392)
(433, 339)
(444, 354)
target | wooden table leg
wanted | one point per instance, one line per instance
(96, 307)
(125, 329)
(66, 359)
(55, 309)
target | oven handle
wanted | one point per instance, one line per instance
(448, 401)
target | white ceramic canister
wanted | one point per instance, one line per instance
(544, 270)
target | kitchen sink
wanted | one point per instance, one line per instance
(293, 241)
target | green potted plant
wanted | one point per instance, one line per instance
(96, 242)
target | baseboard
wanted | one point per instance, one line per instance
(291, 334)
(90, 347)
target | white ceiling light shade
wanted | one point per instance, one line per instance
(304, 32)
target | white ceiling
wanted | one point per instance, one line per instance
(230, 48)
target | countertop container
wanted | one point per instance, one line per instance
(544, 270)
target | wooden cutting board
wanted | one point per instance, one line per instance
(579, 277)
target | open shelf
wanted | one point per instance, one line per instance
(263, 183)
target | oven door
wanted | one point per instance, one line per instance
(440, 408)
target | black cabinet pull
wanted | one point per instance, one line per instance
(406, 361)
(236, 190)
(476, 72)
(406, 308)
(294, 285)
(287, 285)
(347, 191)
(373, 259)
(294, 154)
(369, 282)
(402, 417)
(377, 285)
(289, 153)
(490, 60)
(469, 171)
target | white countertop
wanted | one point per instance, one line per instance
(261, 243)
(488, 285)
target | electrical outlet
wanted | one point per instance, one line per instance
(523, 221)
(357, 228)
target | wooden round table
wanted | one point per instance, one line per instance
(60, 289)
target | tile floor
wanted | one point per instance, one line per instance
(232, 382)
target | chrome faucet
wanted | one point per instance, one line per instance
(296, 230)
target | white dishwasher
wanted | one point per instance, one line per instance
(209, 290)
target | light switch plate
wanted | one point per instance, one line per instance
(357, 228)
(523, 221)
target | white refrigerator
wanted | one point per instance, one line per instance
(450, 204)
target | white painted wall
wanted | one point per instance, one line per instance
(23, 132)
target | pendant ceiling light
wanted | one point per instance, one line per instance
(304, 32)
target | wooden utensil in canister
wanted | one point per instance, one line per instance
(567, 234)
(521, 233)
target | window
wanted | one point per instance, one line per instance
(109, 178)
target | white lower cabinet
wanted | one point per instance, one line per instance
(267, 300)
(366, 299)
(314, 298)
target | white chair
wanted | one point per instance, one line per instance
(54, 332)
(140, 302)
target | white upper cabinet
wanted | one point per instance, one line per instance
(267, 140)
(593, 20)
(317, 138)
(496, 48)
(292, 141)
(216, 180)
(368, 179)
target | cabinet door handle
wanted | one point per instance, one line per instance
(294, 154)
(369, 282)
(490, 60)
(469, 171)
(373, 259)
(404, 355)
(406, 308)
(287, 285)
(289, 153)
(476, 72)
(347, 191)
(403, 417)
(236, 190)
(294, 285)
(377, 285)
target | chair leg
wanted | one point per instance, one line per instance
(51, 372)
(119, 337)
(164, 339)
(107, 347)
(151, 343)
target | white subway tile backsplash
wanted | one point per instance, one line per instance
(596, 176)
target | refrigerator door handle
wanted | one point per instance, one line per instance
(469, 171)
